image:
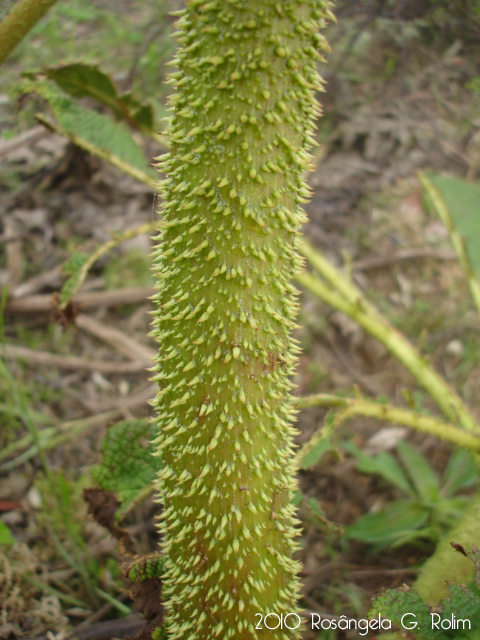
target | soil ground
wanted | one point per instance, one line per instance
(397, 100)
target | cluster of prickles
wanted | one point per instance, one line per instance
(145, 568)
(243, 118)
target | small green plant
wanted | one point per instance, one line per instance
(429, 505)
(128, 466)
(6, 537)
(457, 615)
(129, 269)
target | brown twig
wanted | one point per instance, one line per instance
(95, 617)
(14, 254)
(378, 262)
(113, 410)
(52, 278)
(29, 137)
(112, 298)
(74, 428)
(122, 628)
(146, 393)
(116, 338)
(315, 610)
(367, 573)
(46, 359)
(349, 365)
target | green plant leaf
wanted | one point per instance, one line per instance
(391, 524)
(423, 477)
(128, 465)
(317, 516)
(463, 202)
(383, 464)
(83, 80)
(146, 568)
(320, 443)
(297, 498)
(449, 510)
(395, 603)
(427, 533)
(462, 199)
(6, 537)
(74, 268)
(460, 473)
(141, 113)
(462, 603)
(95, 132)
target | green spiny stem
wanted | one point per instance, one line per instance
(351, 407)
(70, 290)
(17, 23)
(242, 120)
(344, 296)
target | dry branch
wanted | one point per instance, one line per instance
(117, 339)
(47, 359)
(114, 297)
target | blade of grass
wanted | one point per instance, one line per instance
(119, 606)
(47, 588)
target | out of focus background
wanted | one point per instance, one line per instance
(81, 105)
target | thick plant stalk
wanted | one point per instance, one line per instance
(242, 119)
(22, 17)
(351, 407)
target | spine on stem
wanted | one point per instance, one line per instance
(243, 116)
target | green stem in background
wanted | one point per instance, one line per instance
(351, 407)
(456, 239)
(243, 117)
(72, 286)
(21, 18)
(344, 296)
